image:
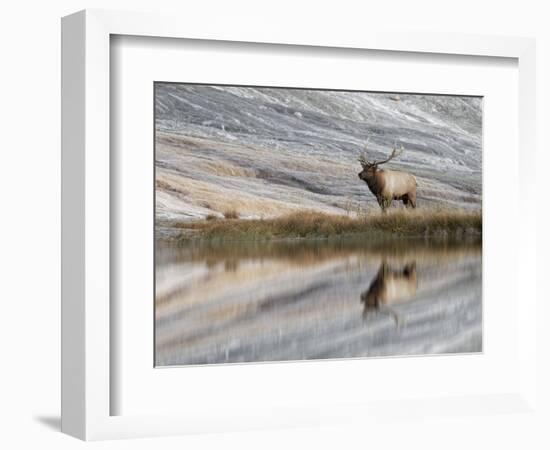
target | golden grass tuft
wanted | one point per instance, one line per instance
(231, 214)
(311, 224)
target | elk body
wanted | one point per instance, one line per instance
(388, 185)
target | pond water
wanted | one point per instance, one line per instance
(316, 299)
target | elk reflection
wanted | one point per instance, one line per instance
(391, 286)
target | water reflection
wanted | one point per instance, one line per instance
(290, 300)
(390, 286)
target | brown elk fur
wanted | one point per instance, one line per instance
(388, 185)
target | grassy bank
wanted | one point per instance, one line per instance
(306, 224)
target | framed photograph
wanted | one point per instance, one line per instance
(281, 234)
(311, 213)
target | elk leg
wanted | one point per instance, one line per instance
(394, 316)
(382, 203)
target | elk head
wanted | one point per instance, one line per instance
(370, 167)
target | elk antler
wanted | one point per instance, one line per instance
(363, 156)
(363, 160)
(395, 152)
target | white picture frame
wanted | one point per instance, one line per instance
(87, 355)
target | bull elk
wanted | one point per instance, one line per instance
(388, 185)
(390, 287)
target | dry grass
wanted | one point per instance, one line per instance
(308, 224)
(231, 214)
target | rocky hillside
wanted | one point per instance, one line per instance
(264, 152)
